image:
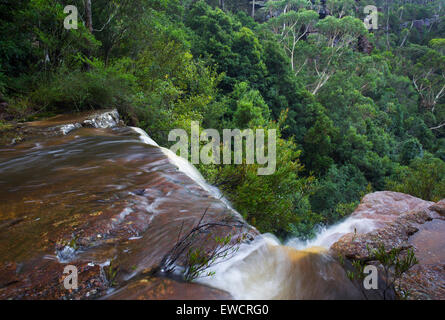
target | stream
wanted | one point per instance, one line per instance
(112, 194)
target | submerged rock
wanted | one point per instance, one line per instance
(103, 120)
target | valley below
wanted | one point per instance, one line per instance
(88, 191)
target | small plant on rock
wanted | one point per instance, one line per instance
(110, 273)
(394, 264)
(201, 248)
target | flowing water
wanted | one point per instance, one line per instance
(117, 195)
(267, 269)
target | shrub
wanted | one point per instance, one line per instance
(394, 263)
(424, 178)
(99, 87)
(272, 203)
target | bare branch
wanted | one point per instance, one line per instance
(438, 127)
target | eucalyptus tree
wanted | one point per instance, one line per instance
(334, 40)
(340, 8)
(429, 79)
(291, 27)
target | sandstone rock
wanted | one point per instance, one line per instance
(439, 207)
(65, 124)
(154, 288)
(43, 279)
(62, 125)
(394, 235)
(404, 222)
(102, 200)
(424, 282)
(386, 206)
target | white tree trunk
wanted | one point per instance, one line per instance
(89, 15)
(253, 9)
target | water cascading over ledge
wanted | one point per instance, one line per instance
(96, 197)
(87, 191)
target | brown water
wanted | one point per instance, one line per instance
(101, 195)
(94, 185)
(268, 270)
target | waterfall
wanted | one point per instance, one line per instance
(327, 236)
(268, 269)
(145, 138)
(185, 167)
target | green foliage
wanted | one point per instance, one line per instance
(201, 247)
(4, 126)
(99, 87)
(110, 273)
(199, 261)
(355, 121)
(2, 82)
(410, 149)
(424, 178)
(272, 203)
(395, 262)
(173, 90)
(393, 259)
(250, 109)
(221, 40)
(338, 192)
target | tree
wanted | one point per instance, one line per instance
(291, 27)
(88, 16)
(251, 110)
(394, 262)
(429, 78)
(271, 203)
(340, 8)
(334, 40)
(203, 247)
(424, 178)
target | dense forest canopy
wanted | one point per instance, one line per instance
(356, 110)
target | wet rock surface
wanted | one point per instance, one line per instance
(386, 206)
(439, 208)
(155, 288)
(87, 191)
(404, 222)
(44, 279)
(98, 198)
(59, 125)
